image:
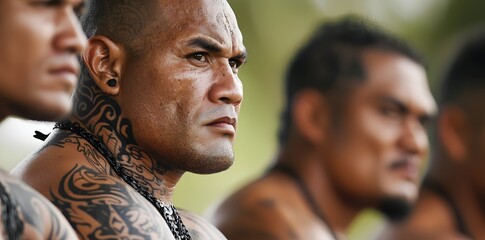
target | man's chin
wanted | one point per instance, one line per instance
(43, 112)
(211, 160)
(213, 165)
(395, 209)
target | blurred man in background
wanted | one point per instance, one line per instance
(159, 95)
(353, 136)
(452, 199)
(38, 72)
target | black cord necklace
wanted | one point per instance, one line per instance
(306, 194)
(168, 212)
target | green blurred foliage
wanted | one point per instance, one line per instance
(273, 30)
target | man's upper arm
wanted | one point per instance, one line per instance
(37, 215)
(100, 206)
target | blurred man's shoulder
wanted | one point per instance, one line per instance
(267, 208)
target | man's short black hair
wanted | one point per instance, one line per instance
(122, 21)
(332, 57)
(466, 71)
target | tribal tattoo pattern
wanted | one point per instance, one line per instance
(103, 207)
(92, 196)
(37, 215)
(101, 115)
(98, 204)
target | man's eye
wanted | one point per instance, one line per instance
(80, 9)
(391, 112)
(234, 63)
(48, 2)
(201, 57)
(424, 121)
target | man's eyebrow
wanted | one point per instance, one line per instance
(423, 117)
(213, 46)
(76, 2)
(207, 44)
(243, 55)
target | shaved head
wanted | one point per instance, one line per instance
(153, 50)
(123, 21)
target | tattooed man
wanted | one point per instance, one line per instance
(159, 95)
(38, 72)
(353, 137)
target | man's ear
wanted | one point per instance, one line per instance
(104, 59)
(453, 132)
(311, 115)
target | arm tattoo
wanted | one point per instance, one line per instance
(102, 207)
(10, 217)
(34, 210)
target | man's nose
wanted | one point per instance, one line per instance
(227, 87)
(414, 138)
(69, 36)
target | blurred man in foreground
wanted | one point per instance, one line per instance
(38, 72)
(353, 136)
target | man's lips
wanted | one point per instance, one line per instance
(225, 125)
(65, 63)
(407, 168)
(65, 71)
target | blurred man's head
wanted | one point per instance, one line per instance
(461, 122)
(169, 67)
(38, 65)
(360, 97)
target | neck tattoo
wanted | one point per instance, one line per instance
(306, 194)
(168, 211)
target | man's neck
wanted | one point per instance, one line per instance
(159, 180)
(102, 116)
(338, 214)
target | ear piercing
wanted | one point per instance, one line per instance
(112, 82)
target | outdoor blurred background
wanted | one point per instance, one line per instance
(273, 30)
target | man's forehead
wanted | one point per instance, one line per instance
(400, 78)
(200, 10)
(213, 19)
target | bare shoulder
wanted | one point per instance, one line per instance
(199, 228)
(61, 152)
(98, 204)
(261, 210)
(31, 215)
